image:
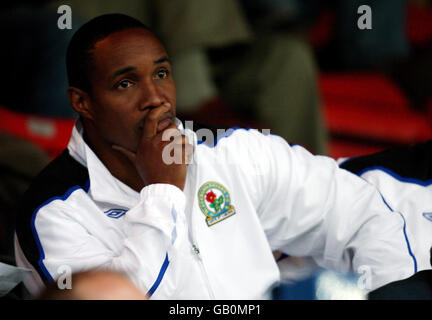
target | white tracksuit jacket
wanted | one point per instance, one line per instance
(259, 194)
(403, 176)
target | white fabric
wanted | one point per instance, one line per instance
(413, 200)
(285, 199)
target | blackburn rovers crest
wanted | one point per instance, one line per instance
(215, 202)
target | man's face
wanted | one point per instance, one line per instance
(131, 75)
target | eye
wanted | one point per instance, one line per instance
(162, 74)
(124, 84)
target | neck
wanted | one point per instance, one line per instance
(119, 166)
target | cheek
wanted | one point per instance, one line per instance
(173, 97)
(170, 93)
(105, 115)
(121, 130)
(115, 121)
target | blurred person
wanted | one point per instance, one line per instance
(94, 285)
(261, 71)
(112, 200)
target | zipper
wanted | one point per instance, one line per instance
(203, 270)
(191, 186)
(195, 249)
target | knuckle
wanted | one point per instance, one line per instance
(169, 133)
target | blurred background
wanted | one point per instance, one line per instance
(302, 68)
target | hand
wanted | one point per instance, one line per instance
(154, 158)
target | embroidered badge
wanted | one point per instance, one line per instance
(428, 215)
(215, 202)
(115, 213)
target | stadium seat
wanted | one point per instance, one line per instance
(368, 107)
(51, 134)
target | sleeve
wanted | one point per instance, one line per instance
(155, 241)
(311, 208)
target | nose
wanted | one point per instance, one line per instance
(151, 97)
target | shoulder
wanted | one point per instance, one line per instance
(58, 179)
(55, 180)
(413, 162)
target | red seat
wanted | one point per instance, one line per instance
(362, 90)
(51, 134)
(393, 127)
(369, 107)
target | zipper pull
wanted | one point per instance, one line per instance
(195, 249)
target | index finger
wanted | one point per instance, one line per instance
(152, 119)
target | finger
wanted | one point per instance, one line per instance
(127, 153)
(169, 133)
(184, 153)
(189, 152)
(176, 147)
(184, 150)
(152, 119)
(186, 140)
(180, 139)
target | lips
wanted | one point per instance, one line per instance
(164, 122)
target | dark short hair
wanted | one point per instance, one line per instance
(79, 55)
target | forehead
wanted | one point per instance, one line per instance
(128, 47)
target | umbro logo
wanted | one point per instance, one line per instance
(428, 215)
(115, 213)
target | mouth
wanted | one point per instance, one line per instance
(164, 122)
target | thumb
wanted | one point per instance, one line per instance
(127, 153)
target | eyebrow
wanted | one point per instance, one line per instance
(162, 60)
(130, 68)
(122, 71)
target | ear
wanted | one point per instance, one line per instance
(80, 101)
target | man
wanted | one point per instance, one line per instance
(199, 231)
